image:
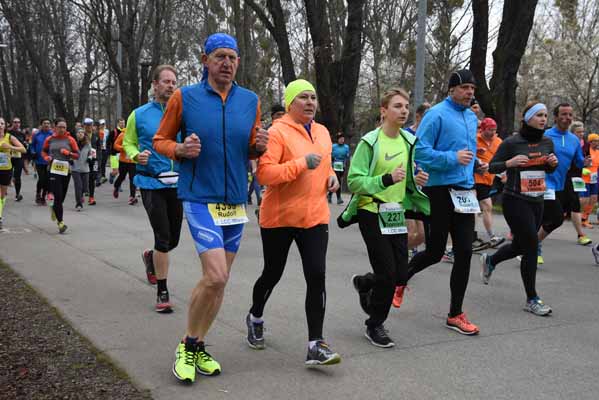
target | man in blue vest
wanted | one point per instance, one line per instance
(220, 130)
(156, 178)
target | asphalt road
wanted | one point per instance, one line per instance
(94, 275)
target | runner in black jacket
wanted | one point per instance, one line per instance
(526, 156)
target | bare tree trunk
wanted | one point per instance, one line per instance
(278, 30)
(516, 24)
(336, 81)
(478, 55)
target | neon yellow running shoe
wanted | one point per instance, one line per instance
(540, 260)
(185, 359)
(62, 228)
(205, 364)
(584, 240)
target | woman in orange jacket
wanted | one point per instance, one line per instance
(296, 168)
(126, 167)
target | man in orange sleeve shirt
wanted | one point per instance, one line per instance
(219, 124)
(487, 143)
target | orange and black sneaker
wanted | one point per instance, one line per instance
(461, 324)
(398, 295)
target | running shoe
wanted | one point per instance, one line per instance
(496, 241)
(461, 324)
(91, 201)
(363, 296)
(62, 228)
(595, 252)
(78, 207)
(584, 240)
(115, 192)
(19, 198)
(448, 256)
(486, 269)
(50, 197)
(398, 295)
(130, 201)
(540, 260)
(340, 201)
(163, 303)
(205, 364)
(537, 307)
(184, 367)
(478, 245)
(321, 354)
(52, 214)
(255, 333)
(148, 260)
(378, 336)
(103, 179)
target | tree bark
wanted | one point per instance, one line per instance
(278, 30)
(516, 24)
(478, 55)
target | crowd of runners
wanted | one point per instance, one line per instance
(201, 151)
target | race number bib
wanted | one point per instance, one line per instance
(95, 166)
(392, 220)
(532, 183)
(464, 201)
(227, 214)
(549, 194)
(16, 154)
(579, 185)
(3, 160)
(338, 166)
(60, 167)
(593, 178)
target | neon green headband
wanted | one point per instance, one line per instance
(294, 88)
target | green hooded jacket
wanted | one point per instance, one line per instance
(362, 184)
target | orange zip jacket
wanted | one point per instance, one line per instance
(485, 153)
(118, 146)
(295, 195)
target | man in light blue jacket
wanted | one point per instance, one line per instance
(446, 149)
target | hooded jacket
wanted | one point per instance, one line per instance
(295, 195)
(363, 183)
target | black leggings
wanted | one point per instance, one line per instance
(553, 215)
(43, 185)
(124, 170)
(524, 219)
(443, 221)
(59, 185)
(17, 169)
(166, 214)
(312, 244)
(388, 255)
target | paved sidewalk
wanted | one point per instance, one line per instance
(94, 275)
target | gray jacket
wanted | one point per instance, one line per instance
(81, 164)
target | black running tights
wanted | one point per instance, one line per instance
(312, 244)
(442, 222)
(524, 219)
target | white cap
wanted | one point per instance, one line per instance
(102, 122)
(88, 121)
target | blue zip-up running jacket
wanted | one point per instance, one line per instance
(445, 129)
(142, 124)
(37, 143)
(567, 150)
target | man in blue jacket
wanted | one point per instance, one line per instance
(156, 178)
(446, 150)
(340, 161)
(220, 130)
(41, 165)
(560, 196)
